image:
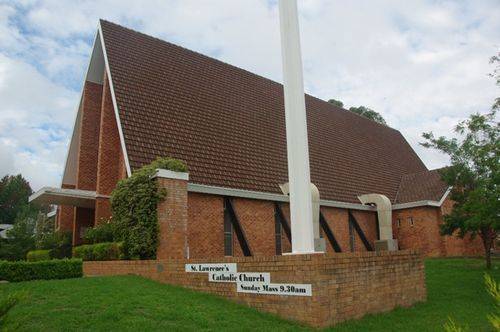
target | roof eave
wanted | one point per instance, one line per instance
(423, 202)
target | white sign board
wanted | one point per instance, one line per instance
(274, 289)
(211, 267)
(255, 277)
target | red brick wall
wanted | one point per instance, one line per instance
(84, 218)
(286, 244)
(341, 289)
(65, 214)
(257, 220)
(109, 170)
(424, 235)
(89, 137)
(205, 225)
(86, 174)
(172, 219)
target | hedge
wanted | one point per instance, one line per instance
(39, 255)
(107, 251)
(53, 269)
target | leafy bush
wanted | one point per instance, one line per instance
(58, 244)
(134, 202)
(84, 252)
(99, 252)
(53, 269)
(104, 232)
(38, 255)
(62, 246)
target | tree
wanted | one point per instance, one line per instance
(474, 176)
(368, 113)
(20, 238)
(361, 110)
(496, 75)
(336, 102)
(14, 193)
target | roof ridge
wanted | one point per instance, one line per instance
(246, 71)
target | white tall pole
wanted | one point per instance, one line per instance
(296, 131)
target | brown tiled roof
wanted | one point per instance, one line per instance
(426, 185)
(228, 124)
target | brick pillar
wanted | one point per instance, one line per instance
(89, 137)
(86, 175)
(65, 214)
(108, 164)
(173, 215)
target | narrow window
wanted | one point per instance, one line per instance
(277, 232)
(352, 237)
(410, 221)
(228, 233)
(398, 221)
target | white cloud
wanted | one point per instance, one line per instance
(423, 65)
(35, 118)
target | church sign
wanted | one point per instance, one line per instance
(248, 282)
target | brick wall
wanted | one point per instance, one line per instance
(86, 174)
(108, 164)
(257, 221)
(344, 286)
(65, 214)
(89, 136)
(84, 218)
(172, 219)
(424, 234)
(206, 226)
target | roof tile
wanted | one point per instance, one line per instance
(229, 124)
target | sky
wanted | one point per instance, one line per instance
(423, 65)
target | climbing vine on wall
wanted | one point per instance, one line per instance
(134, 202)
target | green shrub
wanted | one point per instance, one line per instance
(134, 202)
(84, 252)
(53, 269)
(101, 233)
(59, 244)
(99, 252)
(38, 255)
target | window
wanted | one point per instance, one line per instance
(352, 237)
(277, 232)
(410, 221)
(398, 222)
(228, 233)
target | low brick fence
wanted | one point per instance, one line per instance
(344, 286)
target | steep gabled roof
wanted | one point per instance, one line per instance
(228, 124)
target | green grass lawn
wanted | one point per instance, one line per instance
(455, 289)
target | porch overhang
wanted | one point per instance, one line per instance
(59, 196)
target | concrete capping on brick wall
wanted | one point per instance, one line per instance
(265, 196)
(168, 174)
(344, 286)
